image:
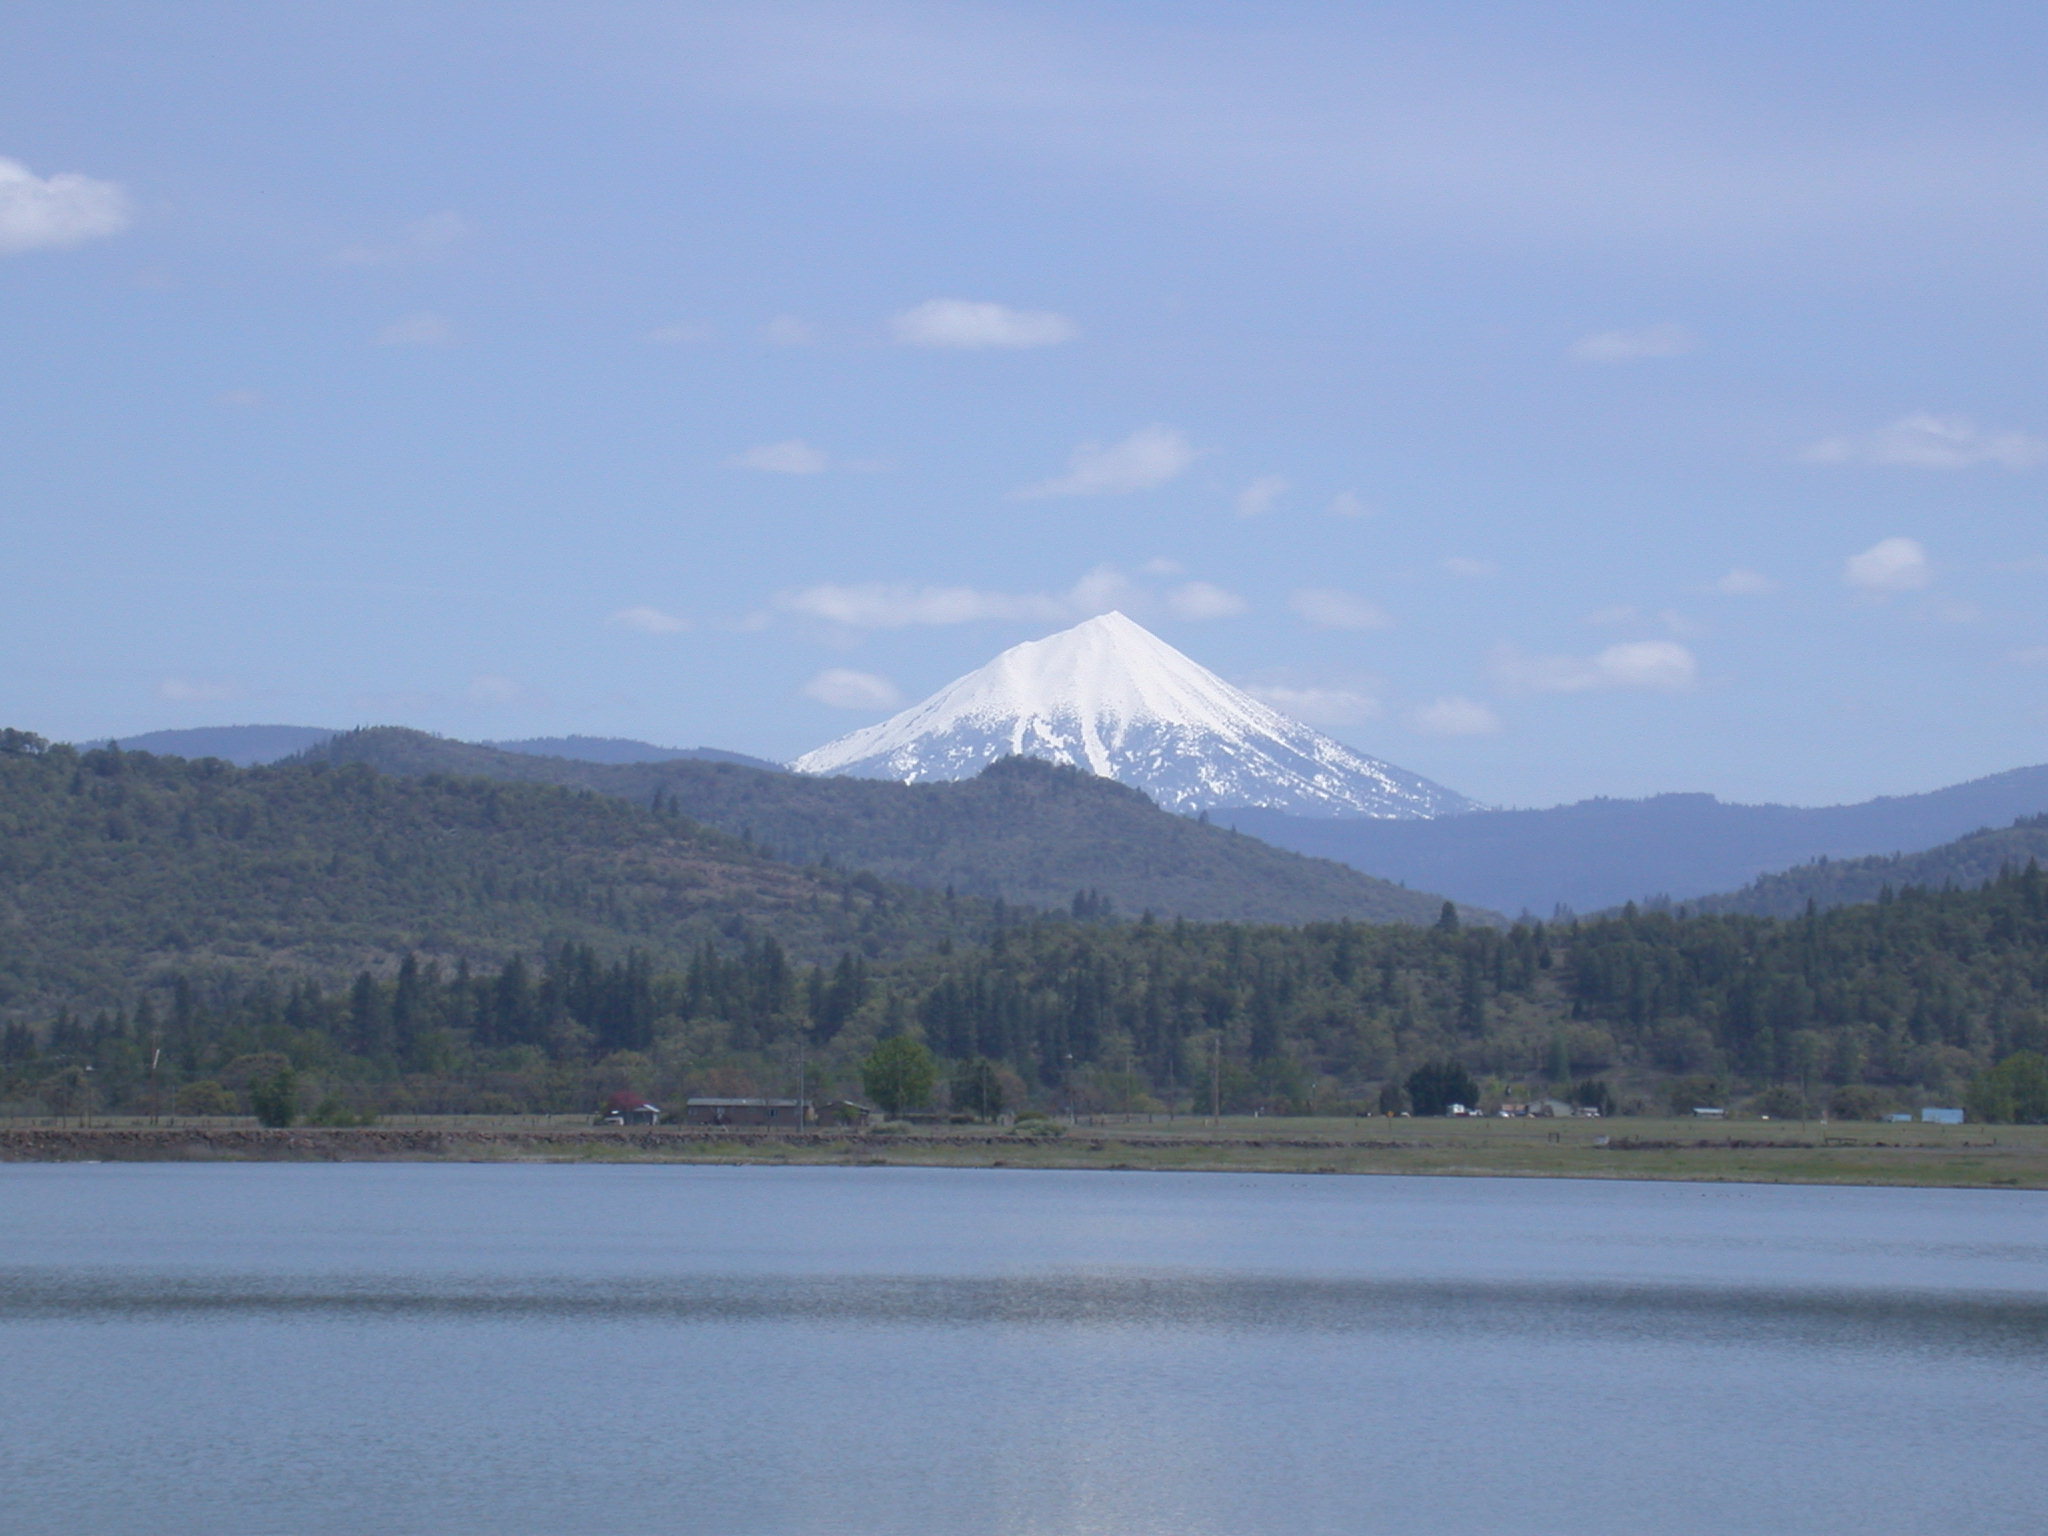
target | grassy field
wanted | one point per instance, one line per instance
(1973, 1156)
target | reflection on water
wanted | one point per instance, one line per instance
(510, 1350)
(1890, 1322)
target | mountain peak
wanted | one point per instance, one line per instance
(1110, 696)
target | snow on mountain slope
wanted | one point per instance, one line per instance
(1113, 698)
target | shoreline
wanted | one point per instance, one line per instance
(1984, 1157)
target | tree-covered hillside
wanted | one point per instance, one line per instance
(1967, 862)
(1861, 1009)
(118, 869)
(1024, 831)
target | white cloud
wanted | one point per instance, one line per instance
(1146, 459)
(424, 329)
(1743, 582)
(966, 325)
(1261, 496)
(491, 688)
(1159, 565)
(677, 335)
(189, 690)
(1455, 717)
(901, 605)
(430, 237)
(1471, 570)
(788, 331)
(1658, 665)
(1202, 600)
(648, 621)
(50, 212)
(844, 689)
(1632, 346)
(1349, 504)
(1328, 608)
(794, 457)
(882, 605)
(1889, 565)
(1319, 706)
(1925, 441)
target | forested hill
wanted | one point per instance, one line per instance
(1965, 863)
(1024, 831)
(119, 868)
(1866, 1008)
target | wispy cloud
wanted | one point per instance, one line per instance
(842, 688)
(424, 329)
(428, 238)
(969, 325)
(1349, 504)
(1455, 717)
(1633, 346)
(1261, 496)
(793, 457)
(789, 331)
(648, 621)
(495, 688)
(1744, 582)
(1662, 666)
(1406, 134)
(1889, 565)
(193, 690)
(1926, 441)
(1145, 460)
(1471, 570)
(51, 212)
(887, 605)
(1319, 706)
(1328, 608)
(1197, 600)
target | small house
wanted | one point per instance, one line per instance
(628, 1109)
(1941, 1117)
(781, 1114)
(1709, 1112)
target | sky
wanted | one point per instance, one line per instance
(1552, 399)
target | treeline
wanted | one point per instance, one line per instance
(1910, 998)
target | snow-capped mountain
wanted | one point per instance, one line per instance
(1112, 697)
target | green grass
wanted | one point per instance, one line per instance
(1744, 1151)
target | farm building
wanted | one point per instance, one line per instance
(628, 1109)
(787, 1114)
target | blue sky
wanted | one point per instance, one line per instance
(1556, 400)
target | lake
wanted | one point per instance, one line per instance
(295, 1350)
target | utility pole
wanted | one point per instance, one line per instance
(156, 1054)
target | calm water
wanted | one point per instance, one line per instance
(450, 1349)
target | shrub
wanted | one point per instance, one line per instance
(276, 1099)
(2014, 1092)
(205, 1097)
(1858, 1101)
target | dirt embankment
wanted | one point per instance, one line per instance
(364, 1144)
(391, 1143)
